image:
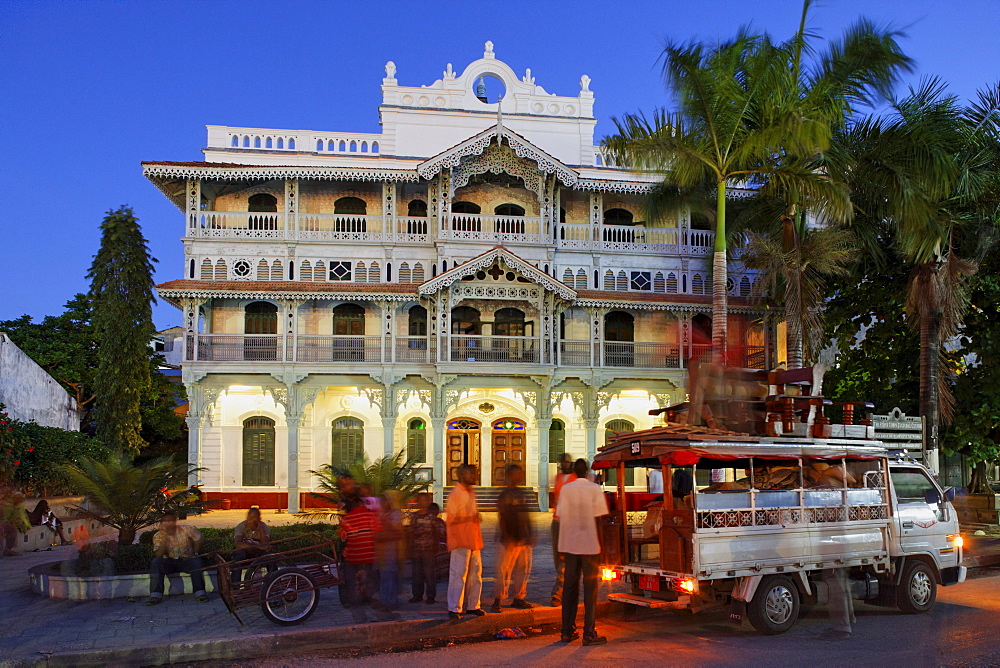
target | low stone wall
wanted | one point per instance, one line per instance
(63, 584)
(43, 538)
(978, 508)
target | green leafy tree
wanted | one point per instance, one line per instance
(64, 346)
(127, 496)
(121, 293)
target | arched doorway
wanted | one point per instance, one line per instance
(619, 333)
(508, 448)
(258, 452)
(463, 446)
(465, 330)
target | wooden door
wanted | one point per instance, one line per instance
(508, 448)
(462, 446)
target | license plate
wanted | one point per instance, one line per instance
(649, 582)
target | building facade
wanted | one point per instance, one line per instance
(472, 284)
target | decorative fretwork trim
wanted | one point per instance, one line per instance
(477, 144)
(487, 260)
(174, 296)
(659, 306)
(320, 173)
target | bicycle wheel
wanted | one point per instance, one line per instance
(288, 596)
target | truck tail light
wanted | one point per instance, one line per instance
(609, 574)
(686, 585)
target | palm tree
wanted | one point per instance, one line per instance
(391, 472)
(796, 269)
(929, 171)
(125, 496)
(751, 112)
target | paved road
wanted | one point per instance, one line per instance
(963, 629)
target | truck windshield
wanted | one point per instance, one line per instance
(912, 486)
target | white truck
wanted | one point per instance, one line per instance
(781, 512)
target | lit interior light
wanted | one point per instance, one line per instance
(609, 574)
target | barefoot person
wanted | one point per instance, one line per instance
(175, 547)
(251, 539)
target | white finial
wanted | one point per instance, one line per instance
(499, 120)
(527, 78)
(449, 73)
(584, 83)
(488, 53)
(390, 70)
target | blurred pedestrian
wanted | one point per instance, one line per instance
(515, 540)
(387, 551)
(357, 529)
(465, 542)
(564, 476)
(175, 550)
(581, 507)
(427, 532)
(839, 604)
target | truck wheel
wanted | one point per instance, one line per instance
(775, 605)
(917, 589)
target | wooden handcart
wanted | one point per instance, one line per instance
(285, 582)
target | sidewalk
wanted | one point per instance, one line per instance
(180, 629)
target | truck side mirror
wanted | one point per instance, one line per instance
(932, 497)
(949, 493)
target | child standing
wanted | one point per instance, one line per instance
(427, 533)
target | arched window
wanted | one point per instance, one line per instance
(744, 287)
(618, 217)
(568, 277)
(418, 321)
(256, 142)
(697, 284)
(262, 202)
(291, 144)
(417, 208)
(246, 141)
(364, 147)
(281, 142)
(268, 143)
(258, 452)
(610, 429)
(348, 320)
(354, 147)
(465, 320)
(350, 205)
(509, 322)
(374, 147)
(562, 215)
(416, 441)
(330, 145)
(659, 284)
(465, 207)
(619, 326)
(236, 140)
(319, 144)
(418, 273)
(557, 440)
(305, 271)
(609, 280)
(508, 210)
(342, 146)
(263, 271)
(260, 318)
(221, 272)
(206, 271)
(348, 440)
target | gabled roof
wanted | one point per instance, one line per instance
(476, 144)
(487, 260)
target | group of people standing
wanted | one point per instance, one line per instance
(576, 543)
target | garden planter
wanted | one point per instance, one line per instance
(56, 584)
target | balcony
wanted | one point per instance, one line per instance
(493, 229)
(307, 227)
(363, 349)
(483, 228)
(668, 240)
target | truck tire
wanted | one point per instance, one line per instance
(917, 590)
(775, 606)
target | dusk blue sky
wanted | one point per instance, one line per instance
(93, 88)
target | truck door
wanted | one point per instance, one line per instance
(922, 527)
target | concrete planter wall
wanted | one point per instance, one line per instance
(978, 508)
(55, 584)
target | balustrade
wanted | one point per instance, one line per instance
(480, 227)
(631, 238)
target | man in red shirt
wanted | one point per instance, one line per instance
(358, 528)
(564, 476)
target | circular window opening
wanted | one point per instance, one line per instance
(489, 89)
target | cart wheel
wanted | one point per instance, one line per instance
(261, 568)
(289, 596)
(775, 605)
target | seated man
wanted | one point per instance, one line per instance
(251, 539)
(174, 550)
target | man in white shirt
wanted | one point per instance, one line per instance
(580, 507)
(655, 481)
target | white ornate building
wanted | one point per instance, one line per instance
(473, 284)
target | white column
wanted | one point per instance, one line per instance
(195, 422)
(438, 425)
(591, 424)
(292, 422)
(543, 461)
(388, 435)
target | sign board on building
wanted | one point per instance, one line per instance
(899, 431)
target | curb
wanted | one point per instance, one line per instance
(360, 636)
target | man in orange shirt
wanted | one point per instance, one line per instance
(465, 542)
(564, 476)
